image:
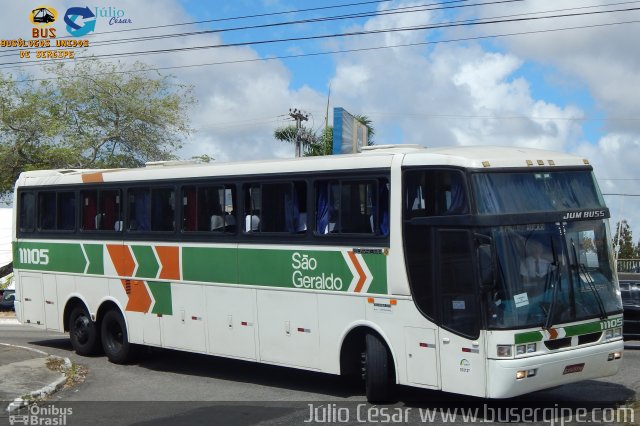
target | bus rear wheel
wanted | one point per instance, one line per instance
(83, 332)
(115, 340)
(378, 371)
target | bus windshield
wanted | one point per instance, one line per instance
(549, 274)
(539, 191)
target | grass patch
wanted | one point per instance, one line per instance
(75, 373)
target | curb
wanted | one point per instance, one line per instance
(9, 321)
(44, 391)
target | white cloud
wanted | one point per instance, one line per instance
(445, 94)
(615, 162)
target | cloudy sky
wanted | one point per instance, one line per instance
(559, 75)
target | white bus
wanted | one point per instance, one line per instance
(483, 271)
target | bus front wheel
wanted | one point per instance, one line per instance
(115, 340)
(378, 371)
(83, 332)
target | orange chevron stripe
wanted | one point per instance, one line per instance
(553, 333)
(122, 259)
(139, 299)
(170, 260)
(363, 277)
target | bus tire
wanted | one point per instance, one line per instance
(378, 372)
(115, 340)
(83, 333)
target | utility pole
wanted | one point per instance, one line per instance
(299, 116)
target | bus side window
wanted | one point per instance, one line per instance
(47, 210)
(27, 212)
(208, 209)
(91, 219)
(57, 210)
(162, 209)
(190, 209)
(139, 207)
(109, 210)
(435, 193)
(230, 209)
(66, 211)
(253, 204)
(352, 207)
(276, 207)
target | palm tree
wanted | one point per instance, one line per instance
(314, 144)
(366, 121)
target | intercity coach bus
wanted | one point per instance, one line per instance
(483, 271)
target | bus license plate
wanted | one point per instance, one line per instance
(574, 368)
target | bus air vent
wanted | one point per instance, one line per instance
(589, 338)
(553, 345)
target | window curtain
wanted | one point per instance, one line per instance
(322, 207)
(142, 210)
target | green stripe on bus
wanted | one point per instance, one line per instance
(528, 337)
(332, 270)
(577, 330)
(210, 264)
(60, 257)
(377, 264)
(161, 292)
(96, 259)
(317, 270)
(148, 266)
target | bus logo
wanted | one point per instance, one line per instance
(587, 214)
(34, 256)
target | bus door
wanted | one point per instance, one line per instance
(462, 353)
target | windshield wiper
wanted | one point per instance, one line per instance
(582, 272)
(554, 280)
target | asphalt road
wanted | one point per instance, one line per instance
(171, 387)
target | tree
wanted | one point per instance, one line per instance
(90, 115)
(627, 250)
(366, 121)
(314, 144)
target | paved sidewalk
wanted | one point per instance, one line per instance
(24, 374)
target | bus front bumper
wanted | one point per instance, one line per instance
(551, 370)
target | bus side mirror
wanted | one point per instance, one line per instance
(485, 262)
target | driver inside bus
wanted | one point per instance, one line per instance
(534, 267)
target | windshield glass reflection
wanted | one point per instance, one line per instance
(550, 274)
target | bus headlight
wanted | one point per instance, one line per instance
(529, 348)
(613, 333)
(505, 351)
(523, 374)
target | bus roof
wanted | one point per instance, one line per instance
(375, 157)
